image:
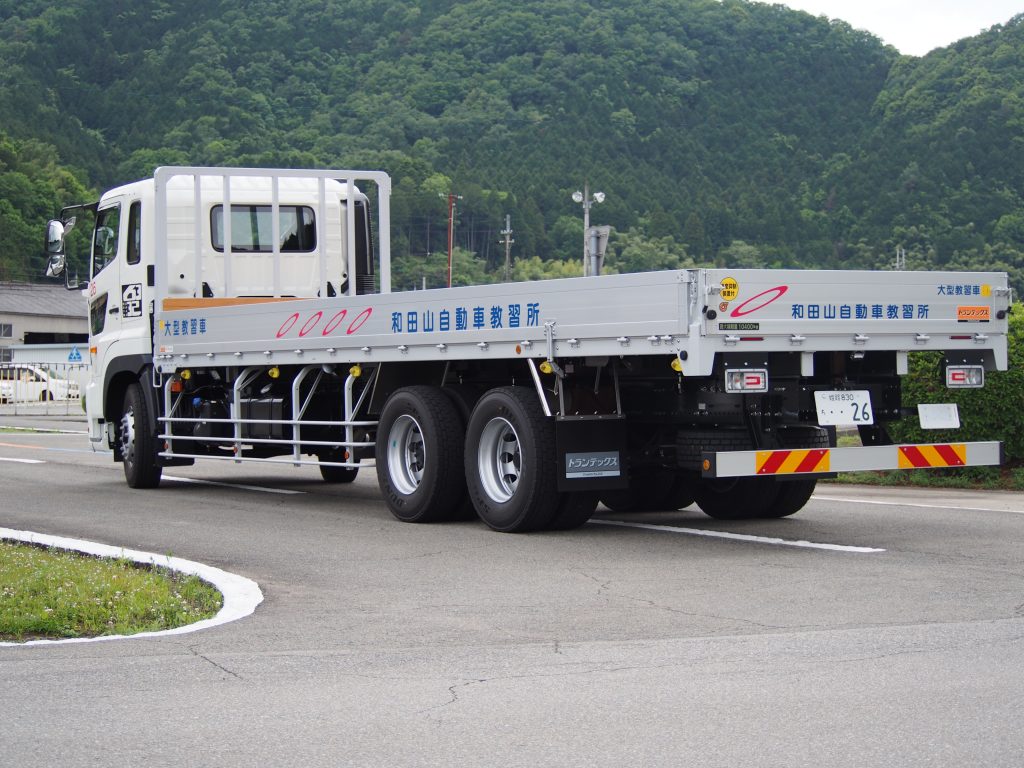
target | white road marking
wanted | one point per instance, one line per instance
(919, 506)
(740, 537)
(241, 595)
(23, 461)
(285, 491)
(42, 432)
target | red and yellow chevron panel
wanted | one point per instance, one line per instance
(793, 462)
(940, 455)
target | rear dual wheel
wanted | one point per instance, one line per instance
(419, 455)
(662, 490)
(743, 498)
(432, 465)
(736, 498)
(509, 463)
(511, 467)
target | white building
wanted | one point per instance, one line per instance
(40, 314)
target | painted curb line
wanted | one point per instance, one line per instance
(241, 595)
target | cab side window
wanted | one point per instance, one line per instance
(104, 240)
(135, 233)
(252, 227)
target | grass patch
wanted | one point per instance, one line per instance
(54, 593)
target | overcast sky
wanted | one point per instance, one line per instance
(915, 26)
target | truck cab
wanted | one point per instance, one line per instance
(302, 252)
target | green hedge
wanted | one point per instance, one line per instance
(995, 412)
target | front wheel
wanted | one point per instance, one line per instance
(137, 441)
(510, 462)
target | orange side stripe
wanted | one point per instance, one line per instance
(170, 305)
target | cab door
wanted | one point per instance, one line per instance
(119, 332)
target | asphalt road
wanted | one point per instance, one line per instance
(384, 644)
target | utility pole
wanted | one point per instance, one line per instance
(506, 234)
(452, 197)
(901, 258)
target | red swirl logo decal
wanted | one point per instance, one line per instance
(766, 298)
(287, 325)
(333, 324)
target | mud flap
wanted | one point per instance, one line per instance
(591, 453)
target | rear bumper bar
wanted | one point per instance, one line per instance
(811, 462)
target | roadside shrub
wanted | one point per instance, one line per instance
(995, 412)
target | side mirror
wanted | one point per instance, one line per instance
(55, 248)
(56, 231)
(56, 265)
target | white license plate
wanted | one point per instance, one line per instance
(844, 407)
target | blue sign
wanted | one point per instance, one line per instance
(74, 356)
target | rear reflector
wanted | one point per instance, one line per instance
(965, 376)
(746, 380)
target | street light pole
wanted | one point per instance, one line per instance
(587, 200)
(586, 229)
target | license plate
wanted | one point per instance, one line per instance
(844, 407)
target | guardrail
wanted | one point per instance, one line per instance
(42, 388)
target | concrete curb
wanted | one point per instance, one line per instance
(241, 595)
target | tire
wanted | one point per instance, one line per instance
(736, 498)
(137, 441)
(419, 455)
(744, 498)
(338, 474)
(794, 494)
(679, 494)
(45, 396)
(574, 510)
(662, 491)
(463, 398)
(510, 461)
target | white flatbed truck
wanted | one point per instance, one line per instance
(272, 335)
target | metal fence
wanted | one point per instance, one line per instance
(42, 388)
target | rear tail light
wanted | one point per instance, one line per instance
(965, 376)
(746, 380)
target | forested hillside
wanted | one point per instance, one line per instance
(730, 132)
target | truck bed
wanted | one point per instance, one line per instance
(693, 313)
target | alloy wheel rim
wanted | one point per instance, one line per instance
(127, 435)
(407, 454)
(499, 460)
